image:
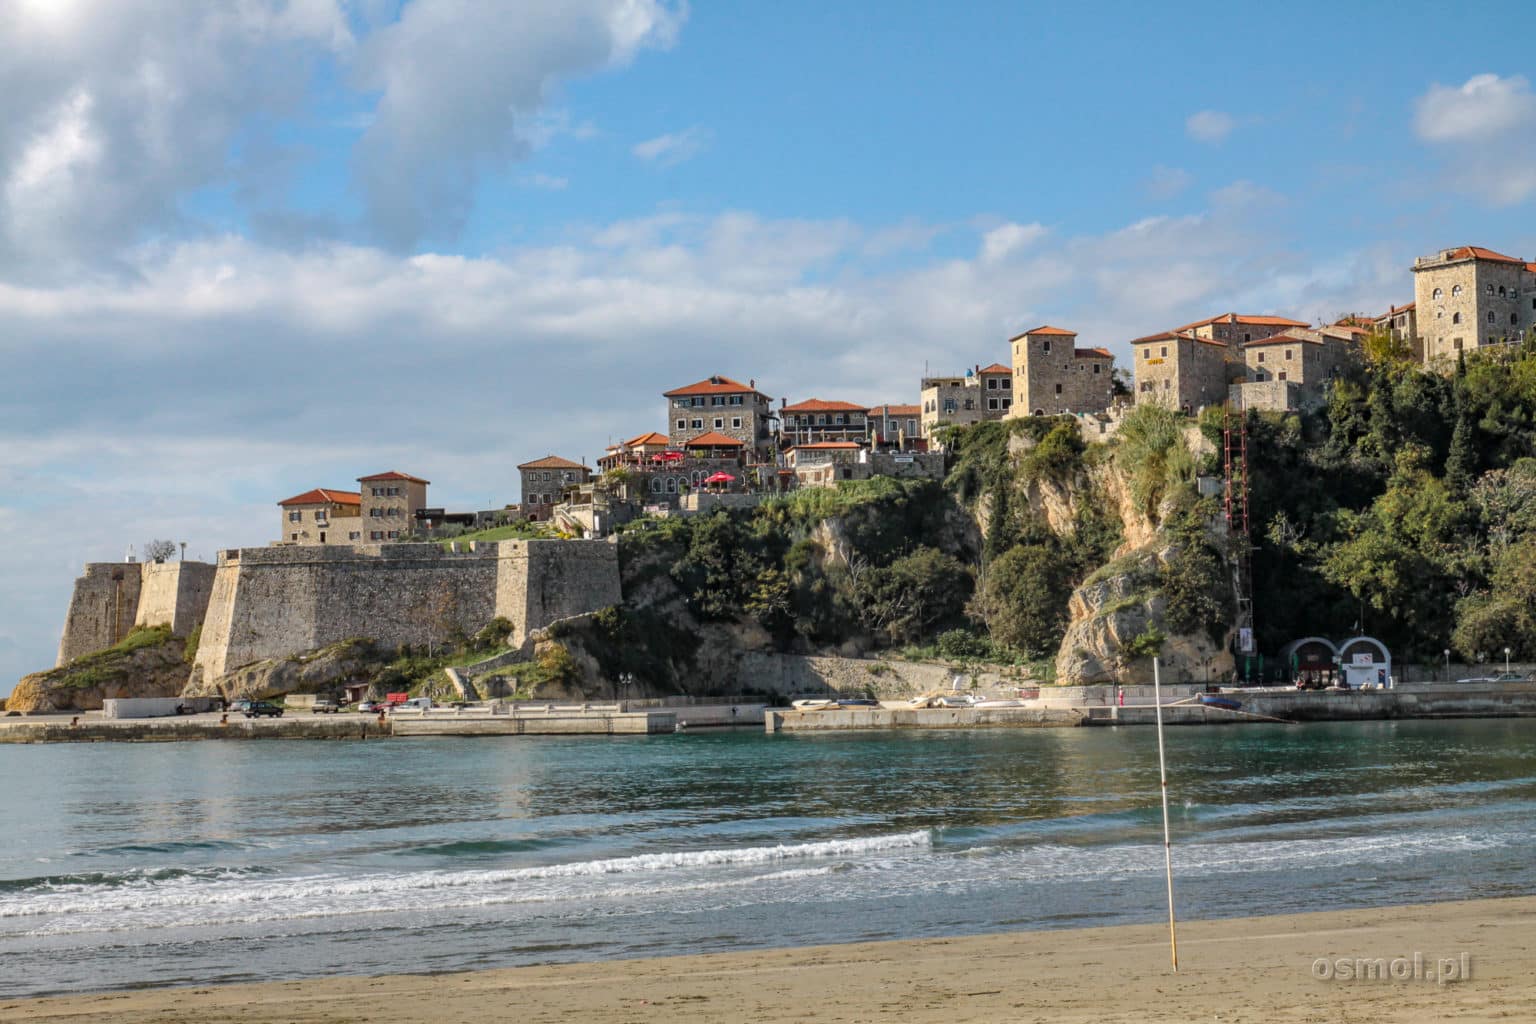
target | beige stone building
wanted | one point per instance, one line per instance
(720, 405)
(817, 420)
(1051, 375)
(1469, 298)
(1237, 329)
(980, 394)
(897, 426)
(1182, 371)
(322, 516)
(545, 481)
(390, 502)
(638, 452)
(1306, 360)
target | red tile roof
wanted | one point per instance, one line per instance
(818, 405)
(1048, 329)
(1474, 252)
(1400, 309)
(997, 368)
(1090, 353)
(716, 385)
(324, 496)
(1176, 336)
(1531, 267)
(393, 474)
(1281, 339)
(1351, 328)
(551, 462)
(648, 440)
(1243, 318)
(896, 410)
(714, 440)
(828, 444)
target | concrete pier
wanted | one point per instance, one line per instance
(92, 728)
(554, 723)
(828, 719)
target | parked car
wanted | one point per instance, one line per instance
(1497, 677)
(240, 706)
(324, 706)
(263, 709)
(370, 707)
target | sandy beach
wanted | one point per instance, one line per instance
(1304, 967)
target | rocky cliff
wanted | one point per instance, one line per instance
(146, 663)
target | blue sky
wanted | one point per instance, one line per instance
(249, 250)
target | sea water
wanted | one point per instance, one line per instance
(125, 865)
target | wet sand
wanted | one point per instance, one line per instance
(1285, 968)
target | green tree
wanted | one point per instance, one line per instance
(910, 599)
(1023, 598)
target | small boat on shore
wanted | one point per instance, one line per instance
(1216, 700)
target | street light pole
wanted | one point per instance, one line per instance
(1506, 661)
(1447, 653)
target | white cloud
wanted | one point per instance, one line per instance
(1486, 108)
(111, 112)
(1167, 182)
(672, 148)
(1486, 128)
(1209, 125)
(457, 77)
(1007, 239)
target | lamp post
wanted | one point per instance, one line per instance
(1506, 661)
(1447, 653)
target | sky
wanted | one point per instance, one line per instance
(254, 247)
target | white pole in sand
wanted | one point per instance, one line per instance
(1162, 771)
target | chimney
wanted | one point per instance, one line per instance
(752, 382)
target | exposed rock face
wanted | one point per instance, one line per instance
(157, 670)
(324, 671)
(1109, 614)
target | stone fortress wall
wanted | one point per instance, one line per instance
(272, 602)
(102, 609)
(278, 601)
(174, 594)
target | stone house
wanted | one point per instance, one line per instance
(1402, 322)
(1468, 298)
(722, 406)
(638, 451)
(322, 516)
(1307, 360)
(817, 420)
(390, 502)
(1052, 375)
(1182, 371)
(545, 481)
(897, 426)
(977, 396)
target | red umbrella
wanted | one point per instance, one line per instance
(719, 478)
(671, 456)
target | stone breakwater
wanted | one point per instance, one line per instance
(57, 729)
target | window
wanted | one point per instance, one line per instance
(1455, 318)
(1282, 375)
(1006, 383)
(378, 492)
(991, 403)
(697, 424)
(970, 403)
(1164, 352)
(1046, 346)
(1007, 402)
(375, 512)
(655, 485)
(840, 419)
(1437, 294)
(1454, 291)
(1490, 289)
(1058, 389)
(671, 485)
(1247, 336)
(394, 534)
(355, 535)
(735, 399)
(1501, 291)
(1490, 316)
(1261, 357)
(1514, 318)
(392, 513)
(950, 405)
(375, 535)
(719, 422)
(682, 424)
(1457, 344)
(293, 536)
(295, 517)
(1095, 367)
(736, 422)
(1287, 355)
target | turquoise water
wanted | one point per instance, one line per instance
(149, 864)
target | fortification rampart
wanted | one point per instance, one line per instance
(102, 608)
(278, 601)
(174, 594)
